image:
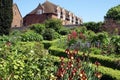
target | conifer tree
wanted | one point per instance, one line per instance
(6, 16)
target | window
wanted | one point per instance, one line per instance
(39, 11)
(58, 15)
(70, 19)
(63, 16)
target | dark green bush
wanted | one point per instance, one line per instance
(50, 34)
(96, 27)
(31, 36)
(6, 16)
(38, 28)
(64, 31)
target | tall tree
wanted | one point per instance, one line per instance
(6, 16)
(114, 13)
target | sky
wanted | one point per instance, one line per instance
(87, 10)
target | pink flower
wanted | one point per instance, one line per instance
(74, 34)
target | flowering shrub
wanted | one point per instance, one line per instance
(76, 68)
(25, 61)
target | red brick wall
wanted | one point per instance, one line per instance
(17, 18)
(33, 18)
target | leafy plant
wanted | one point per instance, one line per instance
(116, 42)
(50, 34)
(55, 24)
(75, 68)
(31, 36)
(38, 28)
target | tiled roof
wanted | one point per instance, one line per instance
(49, 7)
(35, 10)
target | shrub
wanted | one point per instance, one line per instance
(55, 24)
(38, 28)
(64, 31)
(116, 42)
(82, 29)
(50, 34)
(101, 37)
(95, 51)
(93, 26)
(31, 36)
(25, 61)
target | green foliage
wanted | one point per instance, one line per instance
(38, 28)
(109, 74)
(64, 31)
(25, 61)
(101, 37)
(31, 36)
(82, 29)
(116, 42)
(55, 24)
(95, 50)
(6, 16)
(50, 34)
(93, 26)
(114, 13)
(104, 60)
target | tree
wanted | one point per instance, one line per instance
(6, 16)
(114, 13)
(93, 26)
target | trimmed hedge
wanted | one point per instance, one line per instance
(57, 52)
(104, 60)
(48, 44)
(108, 73)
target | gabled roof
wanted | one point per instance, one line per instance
(49, 7)
(35, 10)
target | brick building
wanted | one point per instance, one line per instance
(48, 10)
(17, 17)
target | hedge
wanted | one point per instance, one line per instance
(48, 44)
(108, 73)
(104, 60)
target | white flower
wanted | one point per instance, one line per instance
(32, 51)
(0, 49)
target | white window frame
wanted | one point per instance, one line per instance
(39, 11)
